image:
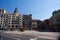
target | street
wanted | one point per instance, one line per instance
(18, 37)
(7, 36)
(23, 37)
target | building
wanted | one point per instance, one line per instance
(14, 21)
(45, 25)
(36, 24)
(55, 21)
(27, 22)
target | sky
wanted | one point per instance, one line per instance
(40, 9)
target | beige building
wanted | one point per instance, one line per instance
(14, 21)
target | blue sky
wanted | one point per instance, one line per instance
(40, 9)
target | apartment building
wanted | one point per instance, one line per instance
(27, 22)
(55, 21)
(14, 21)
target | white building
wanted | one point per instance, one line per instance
(14, 21)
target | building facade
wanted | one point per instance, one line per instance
(55, 21)
(45, 25)
(36, 24)
(14, 21)
(27, 22)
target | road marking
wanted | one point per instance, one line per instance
(13, 37)
(34, 39)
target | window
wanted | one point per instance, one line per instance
(6, 19)
(16, 26)
(20, 21)
(0, 11)
(9, 18)
(34, 25)
(12, 25)
(9, 23)
(9, 26)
